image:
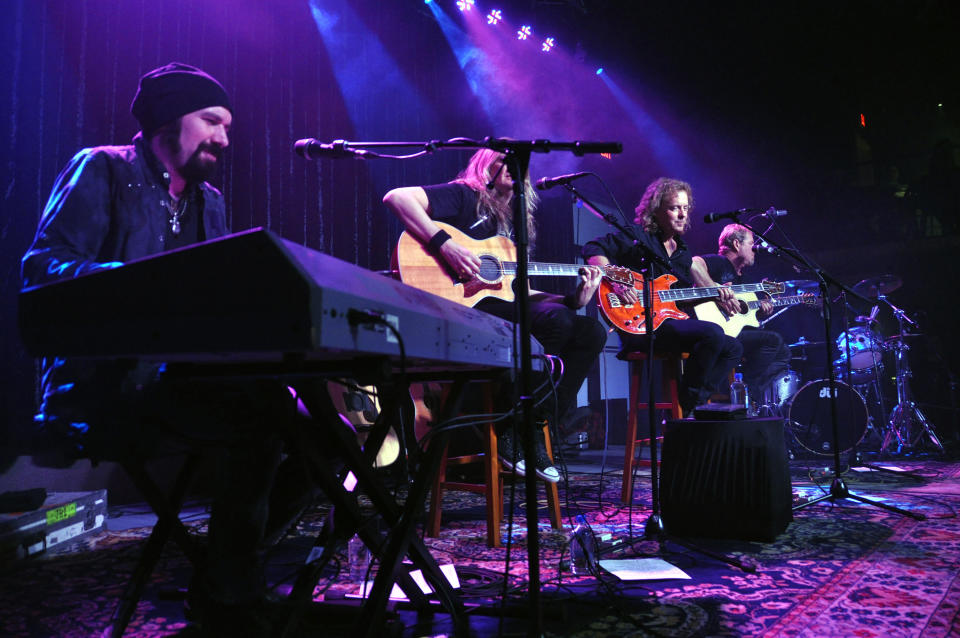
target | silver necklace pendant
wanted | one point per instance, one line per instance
(175, 215)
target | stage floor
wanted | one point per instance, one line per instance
(839, 569)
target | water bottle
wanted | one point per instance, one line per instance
(738, 392)
(583, 547)
(358, 558)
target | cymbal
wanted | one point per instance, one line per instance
(801, 286)
(882, 285)
(803, 342)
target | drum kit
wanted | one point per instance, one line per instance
(863, 419)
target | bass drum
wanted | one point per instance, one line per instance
(808, 417)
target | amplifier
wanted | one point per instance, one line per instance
(63, 517)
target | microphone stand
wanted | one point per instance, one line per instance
(838, 488)
(517, 158)
(654, 528)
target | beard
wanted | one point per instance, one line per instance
(198, 168)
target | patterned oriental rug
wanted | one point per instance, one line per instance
(843, 569)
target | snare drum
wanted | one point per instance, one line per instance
(866, 348)
(809, 417)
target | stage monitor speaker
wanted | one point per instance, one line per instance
(725, 479)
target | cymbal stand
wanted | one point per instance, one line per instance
(907, 422)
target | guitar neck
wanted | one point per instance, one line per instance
(779, 302)
(543, 269)
(689, 294)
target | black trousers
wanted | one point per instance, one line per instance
(712, 355)
(576, 339)
(765, 356)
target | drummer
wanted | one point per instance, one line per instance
(765, 356)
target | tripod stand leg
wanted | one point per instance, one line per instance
(889, 508)
(925, 427)
(838, 491)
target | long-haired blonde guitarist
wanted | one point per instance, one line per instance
(765, 356)
(477, 203)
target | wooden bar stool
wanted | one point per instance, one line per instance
(672, 363)
(491, 487)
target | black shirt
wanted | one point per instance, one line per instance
(621, 251)
(458, 205)
(721, 270)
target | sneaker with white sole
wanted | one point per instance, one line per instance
(511, 456)
(545, 468)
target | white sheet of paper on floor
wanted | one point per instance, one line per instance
(643, 569)
(397, 594)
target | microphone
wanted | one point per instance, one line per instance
(549, 182)
(310, 148)
(762, 245)
(709, 218)
(774, 212)
(776, 252)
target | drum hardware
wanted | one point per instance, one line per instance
(907, 423)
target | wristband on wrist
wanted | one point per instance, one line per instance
(438, 239)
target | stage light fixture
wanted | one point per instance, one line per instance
(600, 71)
(494, 17)
(524, 32)
(465, 5)
(547, 45)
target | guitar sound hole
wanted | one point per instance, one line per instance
(489, 269)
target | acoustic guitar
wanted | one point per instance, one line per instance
(359, 406)
(498, 268)
(733, 324)
(630, 317)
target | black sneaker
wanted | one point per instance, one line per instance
(511, 456)
(545, 468)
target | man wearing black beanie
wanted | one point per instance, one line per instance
(113, 204)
